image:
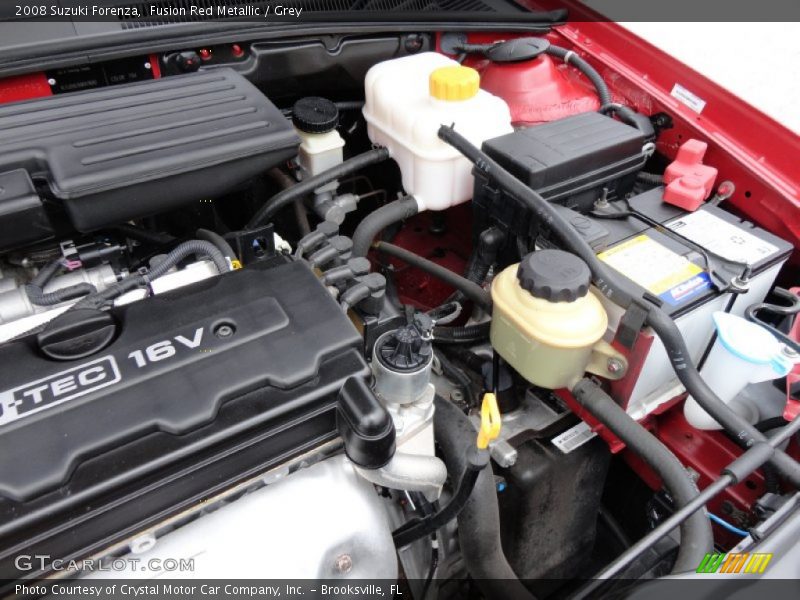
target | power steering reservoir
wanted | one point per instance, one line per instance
(547, 324)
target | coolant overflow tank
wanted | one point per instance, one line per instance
(548, 324)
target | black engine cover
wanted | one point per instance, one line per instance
(201, 386)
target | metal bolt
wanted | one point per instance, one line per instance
(614, 366)
(344, 564)
(456, 396)
(224, 330)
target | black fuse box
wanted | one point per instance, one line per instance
(570, 159)
(571, 162)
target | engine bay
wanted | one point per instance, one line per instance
(469, 311)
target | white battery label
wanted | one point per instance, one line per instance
(574, 437)
(722, 238)
(656, 268)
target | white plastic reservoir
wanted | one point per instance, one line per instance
(408, 99)
(743, 353)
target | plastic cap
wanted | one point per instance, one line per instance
(404, 349)
(750, 342)
(454, 83)
(313, 114)
(554, 275)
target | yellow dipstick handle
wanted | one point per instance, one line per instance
(490, 421)
(236, 264)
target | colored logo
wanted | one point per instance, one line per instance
(735, 562)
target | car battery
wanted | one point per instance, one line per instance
(687, 261)
(684, 260)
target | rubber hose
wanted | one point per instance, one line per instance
(135, 280)
(622, 293)
(419, 528)
(482, 258)
(35, 289)
(220, 242)
(696, 536)
(584, 67)
(471, 290)
(462, 335)
(772, 481)
(305, 187)
(479, 520)
(285, 182)
(379, 219)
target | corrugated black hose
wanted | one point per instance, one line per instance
(37, 295)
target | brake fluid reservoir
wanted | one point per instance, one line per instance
(321, 147)
(408, 99)
(547, 324)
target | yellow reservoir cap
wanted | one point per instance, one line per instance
(454, 83)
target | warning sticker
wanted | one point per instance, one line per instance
(574, 437)
(722, 238)
(693, 101)
(657, 269)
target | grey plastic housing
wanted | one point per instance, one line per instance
(123, 152)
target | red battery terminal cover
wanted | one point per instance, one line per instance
(689, 182)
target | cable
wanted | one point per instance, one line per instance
(301, 189)
(622, 292)
(723, 523)
(650, 178)
(135, 280)
(220, 242)
(469, 334)
(379, 219)
(37, 295)
(432, 570)
(416, 529)
(470, 289)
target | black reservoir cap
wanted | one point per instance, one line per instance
(554, 275)
(313, 114)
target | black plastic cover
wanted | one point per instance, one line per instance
(565, 157)
(169, 384)
(123, 152)
(554, 275)
(22, 215)
(365, 425)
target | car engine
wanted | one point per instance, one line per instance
(460, 315)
